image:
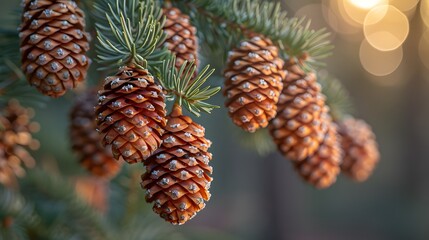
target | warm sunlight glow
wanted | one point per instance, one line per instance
(386, 28)
(358, 14)
(377, 62)
(404, 5)
(337, 18)
(366, 4)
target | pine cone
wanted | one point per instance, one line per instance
(299, 127)
(181, 36)
(177, 177)
(131, 114)
(15, 138)
(322, 168)
(86, 142)
(53, 45)
(253, 83)
(360, 148)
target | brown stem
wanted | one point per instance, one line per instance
(220, 21)
(177, 110)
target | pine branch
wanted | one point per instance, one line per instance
(63, 211)
(338, 99)
(133, 34)
(16, 216)
(296, 40)
(187, 89)
(14, 84)
(132, 203)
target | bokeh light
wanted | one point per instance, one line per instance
(366, 4)
(404, 5)
(358, 9)
(379, 63)
(386, 28)
(314, 10)
(338, 19)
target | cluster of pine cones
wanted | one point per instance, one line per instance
(133, 126)
(130, 114)
(263, 90)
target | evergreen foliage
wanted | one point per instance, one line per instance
(221, 20)
(130, 32)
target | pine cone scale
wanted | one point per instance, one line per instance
(53, 46)
(177, 176)
(181, 36)
(253, 81)
(301, 121)
(322, 168)
(131, 114)
(86, 142)
(360, 148)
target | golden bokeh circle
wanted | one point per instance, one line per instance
(379, 63)
(357, 10)
(404, 5)
(386, 28)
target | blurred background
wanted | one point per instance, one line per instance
(382, 57)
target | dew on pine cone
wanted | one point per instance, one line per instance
(253, 81)
(54, 45)
(177, 177)
(322, 168)
(131, 114)
(181, 36)
(301, 122)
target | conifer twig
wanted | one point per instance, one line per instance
(294, 37)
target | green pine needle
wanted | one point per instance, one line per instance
(187, 89)
(21, 213)
(296, 40)
(14, 83)
(132, 35)
(338, 99)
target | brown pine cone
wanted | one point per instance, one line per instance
(181, 36)
(253, 81)
(131, 114)
(360, 148)
(16, 138)
(86, 141)
(322, 168)
(53, 45)
(177, 176)
(299, 127)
